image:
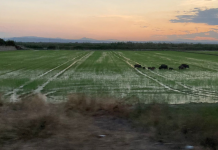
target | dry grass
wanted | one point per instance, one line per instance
(195, 123)
(57, 126)
(96, 106)
(72, 125)
(29, 118)
(1, 101)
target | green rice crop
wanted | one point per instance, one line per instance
(110, 73)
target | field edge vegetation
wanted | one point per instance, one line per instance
(32, 118)
(120, 46)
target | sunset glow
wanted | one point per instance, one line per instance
(137, 20)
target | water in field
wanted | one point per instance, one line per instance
(110, 73)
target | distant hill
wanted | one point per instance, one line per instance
(58, 40)
(89, 40)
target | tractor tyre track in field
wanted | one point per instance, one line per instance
(41, 87)
(22, 68)
(210, 93)
(206, 93)
(162, 56)
(14, 96)
(166, 86)
(198, 53)
(192, 63)
(179, 62)
(155, 80)
(79, 62)
(14, 92)
(187, 86)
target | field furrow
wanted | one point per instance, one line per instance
(16, 90)
(187, 90)
(56, 74)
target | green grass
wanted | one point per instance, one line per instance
(206, 52)
(110, 73)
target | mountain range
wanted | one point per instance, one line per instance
(58, 40)
(89, 40)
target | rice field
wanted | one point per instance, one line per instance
(206, 52)
(56, 74)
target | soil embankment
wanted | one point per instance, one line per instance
(95, 123)
(7, 48)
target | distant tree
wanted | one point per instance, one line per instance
(51, 47)
(10, 43)
(2, 42)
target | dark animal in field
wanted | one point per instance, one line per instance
(181, 67)
(137, 66)
(163, 66)
(151, 68)
(170, 68)
(143, 67)
(185, 65)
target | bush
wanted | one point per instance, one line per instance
(2, 42)
(33, 118)
(96, 106)
(39, 126)
(51, 47)
(122, 46)
(195, 123)
(1, 101)
(29, 118)
(10, 43)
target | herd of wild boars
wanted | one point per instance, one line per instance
(163, 67)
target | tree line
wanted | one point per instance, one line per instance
(121, 46)
(7, 43)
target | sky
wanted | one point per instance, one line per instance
(127, 20)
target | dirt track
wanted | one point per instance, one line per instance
(7, 48)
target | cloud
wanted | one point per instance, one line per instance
(208, 16)
(210, 35)
(199, 3)
(115, 16)
(214, 29)
(185, 31)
